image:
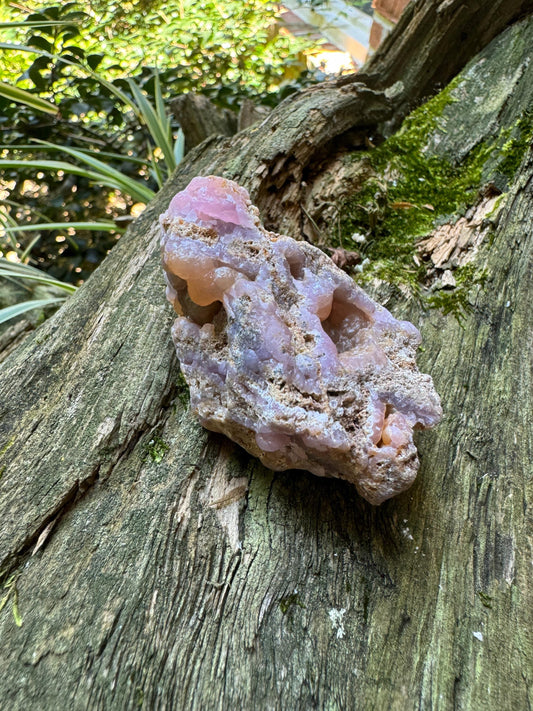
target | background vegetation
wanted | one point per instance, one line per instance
(86, 133)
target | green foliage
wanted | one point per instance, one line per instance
(405, 192)
(94, 82)
(486, 600)
(13, 93)
(183, 393)
(202, 42)
(102, 173)
(52, 291)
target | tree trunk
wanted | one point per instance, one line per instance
(148, 563)
(199, 118)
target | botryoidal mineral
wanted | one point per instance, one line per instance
(284, 353)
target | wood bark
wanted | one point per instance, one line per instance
(152, 564)
(199, 118)
(433, 41)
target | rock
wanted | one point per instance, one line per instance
(284, 353)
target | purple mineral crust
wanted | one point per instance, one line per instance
(284, 354)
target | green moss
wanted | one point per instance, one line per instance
(39, 340)
(411, 190)
(455, 301)
(289, 601)
(156, 449)
(183, 390)
(486, 600)
(519, 138)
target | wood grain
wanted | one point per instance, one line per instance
(170, 584)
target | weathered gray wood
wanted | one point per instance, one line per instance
(12, 335)
(194, 578)
(433, 41)
(199, 118)
(250, 113)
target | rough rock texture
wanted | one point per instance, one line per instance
(284, 354)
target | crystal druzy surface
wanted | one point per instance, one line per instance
(284, 353)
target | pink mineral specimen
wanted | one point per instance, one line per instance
(284, 353)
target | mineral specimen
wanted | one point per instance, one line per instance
(282, 351)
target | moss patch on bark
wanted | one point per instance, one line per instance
(414, 187)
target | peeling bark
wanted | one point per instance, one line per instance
(174, 571)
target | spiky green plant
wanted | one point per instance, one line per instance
(21, 273)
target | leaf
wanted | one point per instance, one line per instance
(51, 12)
(39, 17)
(159, 103)
(115, 156)
(156, 172)
(71, 6)
(24, 97)
(76, 51)
(73, 16)
(109, 86)
(158, 127)
(6, 220)
(25, 23)
(24, 48)
(19, 270)
(10, 312)
(40, 42)
(98, 226)
(41, 62)
(104, 175)
(41, 278)
(37, 79)
(402, 205)
(70, 33)
(28, 249)
(93, 60)
(114, 178)
(179, 146)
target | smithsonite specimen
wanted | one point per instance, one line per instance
(284, 353)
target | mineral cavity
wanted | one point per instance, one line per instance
(284, 353)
